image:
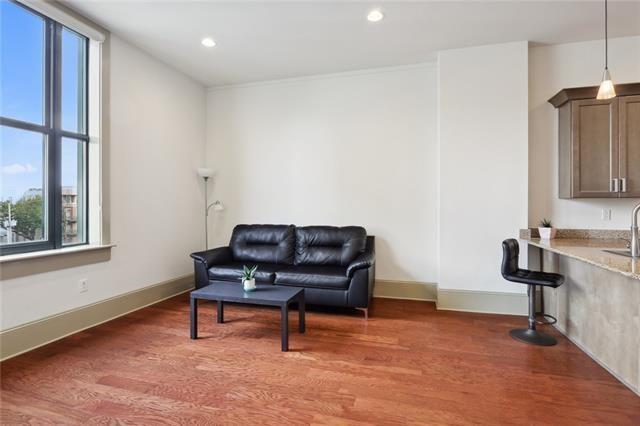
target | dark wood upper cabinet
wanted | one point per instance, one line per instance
(598, 143)
(629, 130)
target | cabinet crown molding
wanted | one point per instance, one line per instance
(577, 93)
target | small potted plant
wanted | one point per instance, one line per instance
(546, 229)
(249, 278)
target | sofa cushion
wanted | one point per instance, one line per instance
(331, 277)
(233, 272)
(263, 244)
(329, 245)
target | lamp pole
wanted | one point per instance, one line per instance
(206, 214)
(205, 174)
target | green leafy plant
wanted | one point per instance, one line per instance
(546, 223)
(249, 273)
(27, 212)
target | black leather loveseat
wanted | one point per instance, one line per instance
(335, 265)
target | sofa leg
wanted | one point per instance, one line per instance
(366, 313)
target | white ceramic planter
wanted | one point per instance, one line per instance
(547, 233)
(249, 285)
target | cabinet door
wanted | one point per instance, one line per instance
(629, 146)
(595, 165)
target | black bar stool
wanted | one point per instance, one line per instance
(511, 272)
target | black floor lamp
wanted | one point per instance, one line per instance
(217, 205)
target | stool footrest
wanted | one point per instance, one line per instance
(547, 319)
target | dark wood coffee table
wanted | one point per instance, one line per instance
(269, 295)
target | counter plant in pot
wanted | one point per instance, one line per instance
(546, 229)
(249, 278)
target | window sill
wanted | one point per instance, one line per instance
(37, 262)
(54, 252)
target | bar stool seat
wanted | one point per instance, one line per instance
(511, 272)
(524, 276)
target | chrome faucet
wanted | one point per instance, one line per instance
(635, 238)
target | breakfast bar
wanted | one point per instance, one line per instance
(598, 307)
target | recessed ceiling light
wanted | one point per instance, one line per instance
(375, 16)
(208, 42)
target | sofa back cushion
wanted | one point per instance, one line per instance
(329, 245)
(263, 243)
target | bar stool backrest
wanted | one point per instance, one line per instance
(510, 257)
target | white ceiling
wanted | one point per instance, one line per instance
(271, 40)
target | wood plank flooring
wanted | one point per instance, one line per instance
(409, 364)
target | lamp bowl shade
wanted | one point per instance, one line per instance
(204, 172)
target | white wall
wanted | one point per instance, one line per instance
(483, 162)
(552, 68)
(157, 140)
(344, 149)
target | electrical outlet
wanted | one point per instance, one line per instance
(83, 286)
(606, 214)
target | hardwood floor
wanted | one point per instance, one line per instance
(409, 364)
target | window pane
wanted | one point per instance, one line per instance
(73, 81)
(73, 191)
(22, 205)
(22, 60)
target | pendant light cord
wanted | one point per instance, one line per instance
(606, 37)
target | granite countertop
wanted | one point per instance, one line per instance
(590, 250)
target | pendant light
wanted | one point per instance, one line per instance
(606, 90)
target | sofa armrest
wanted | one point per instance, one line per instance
(213, 256)
(203, 260)
(365, 260)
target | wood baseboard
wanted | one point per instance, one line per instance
(408, 290)
(453, 300)
(485, 302)
(26, 337)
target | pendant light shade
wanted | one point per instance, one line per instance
(606, 90)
